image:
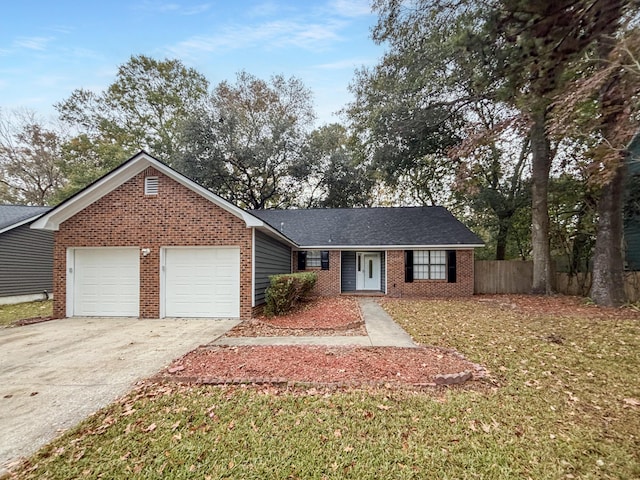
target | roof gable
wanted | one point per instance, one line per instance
(118, 176)
(371, 227)
(12, 216)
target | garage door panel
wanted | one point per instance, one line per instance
(107, 282)
(202, 282)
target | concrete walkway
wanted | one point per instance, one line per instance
(381, 329)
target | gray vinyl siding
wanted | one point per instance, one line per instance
(348, 269)
(632, 225)
(26, 261)
(271, 258)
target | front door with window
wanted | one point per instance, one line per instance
(368, 271)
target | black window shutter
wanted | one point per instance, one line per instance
(302, 260)
(408, 266)
(324, 260)
(451, 266)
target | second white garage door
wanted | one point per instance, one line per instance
(201, 282)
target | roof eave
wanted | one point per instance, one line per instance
(457, 246)
(20, 223)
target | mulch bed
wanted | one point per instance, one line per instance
(327, 316)
(317, 365)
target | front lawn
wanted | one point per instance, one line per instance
(22, 311)
(562, 402)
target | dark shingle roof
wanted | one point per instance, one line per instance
(12, 214)
(354, 227)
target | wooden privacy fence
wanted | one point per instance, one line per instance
(516, 276)
(580, 284)
(503, 276)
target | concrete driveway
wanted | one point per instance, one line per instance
(54, 374)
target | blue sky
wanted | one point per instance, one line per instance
(50, 48)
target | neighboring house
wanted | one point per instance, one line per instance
(26, 256)
(145, 241)
(632, 220)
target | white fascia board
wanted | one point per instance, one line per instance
(111, 181)
(364, 248)
(19, 224)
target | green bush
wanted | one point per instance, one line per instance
(285, 291)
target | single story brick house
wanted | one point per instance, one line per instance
(145, 241)
(26, 255)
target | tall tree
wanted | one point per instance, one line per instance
(246, 143)
(601, 108)
(543, 39)
(330, 171)
(491, 176)
(511, 51)
(31, 166)
(142, 109)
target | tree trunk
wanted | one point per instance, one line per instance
(607, 287)
(541, 164)
(501, 240)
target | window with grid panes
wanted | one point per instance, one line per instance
(314, 258)
(430, 264)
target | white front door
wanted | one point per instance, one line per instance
(368, 271)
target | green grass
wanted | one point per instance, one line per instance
(20, 311)
(549, 410)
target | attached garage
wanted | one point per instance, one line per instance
(201, 282)
(105, 282)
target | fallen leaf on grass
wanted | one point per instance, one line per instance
(634, 402)
(150, 428)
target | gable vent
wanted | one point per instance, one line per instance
(150, 185)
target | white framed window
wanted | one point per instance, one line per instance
(314, 258)
(429, 264)
(151, 185)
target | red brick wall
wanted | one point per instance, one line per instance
(175, 217)
(396, 286)
(329, 280)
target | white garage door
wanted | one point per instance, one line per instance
(202, 282)
(106, 282)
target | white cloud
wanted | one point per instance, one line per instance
(277, 34)
(32, 43)
(49, 81)
(264, 9)
(173, 8)
(351, 8)
(347, 63)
